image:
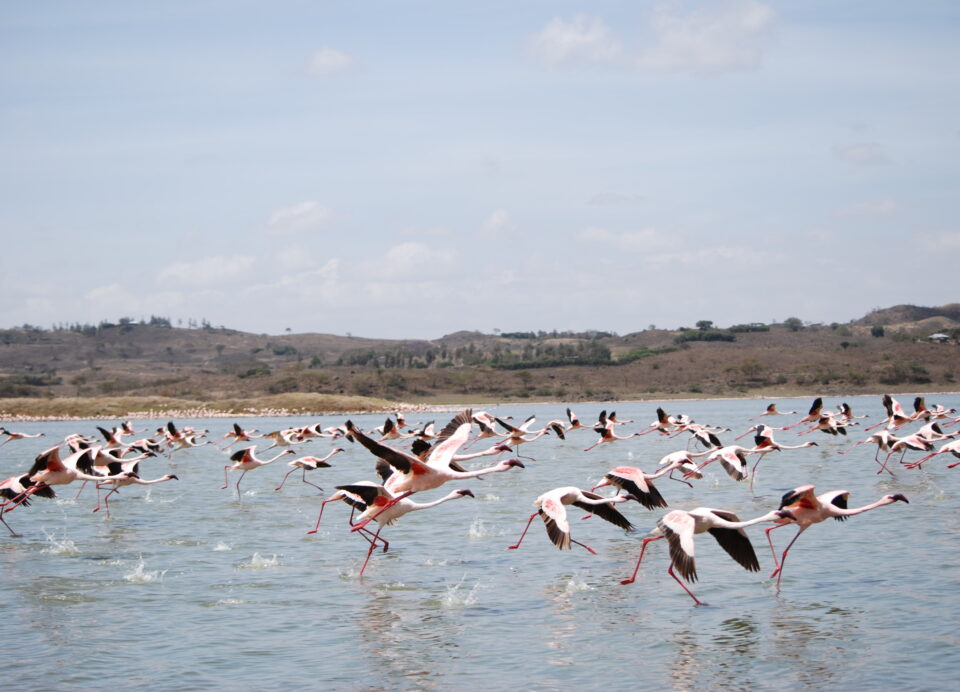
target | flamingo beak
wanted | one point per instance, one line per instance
(901, 498)
(174, 477)
(514, 462)
(466, 493)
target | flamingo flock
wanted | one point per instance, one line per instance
(409, 460)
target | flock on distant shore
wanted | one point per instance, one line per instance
(411, 460)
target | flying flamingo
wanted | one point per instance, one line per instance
(607, 435)
(412, 474)
(884, 439)
(915, 442)
(897, 417)
(771, 410)
(949, 448)
(806, 509)
(733, 459)
(309, 464)
(763, 444)
(238, 434)
(244, 460)
(15, 487)
(134, 479)
(48, 469)
(679, 527)
(385, 509)
(635, 482)
(812, 416)
(682, 460)
(16, 435)
(664, 423)
(551, 509)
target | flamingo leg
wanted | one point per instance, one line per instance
(304, 479)
(917, 464)
(322, 505)
(633, 577)
(373, 544)
(677, 579)
(773, 550)
(20, 499)
(526, 528)
(240, 497)
(225, 481)
(284, 479)
(106, 500)
(82, 486)
(584, 545)
(12, 532)
(670, 476)
(783, 558)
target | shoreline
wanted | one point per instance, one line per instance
(208, 411)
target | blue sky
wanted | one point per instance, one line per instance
(409, 169)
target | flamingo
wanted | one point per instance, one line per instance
(607, 435)
(764, 443)
(826, 423)
(385, 509)
(733, 458)
(413, 474)
(897, 417)
(883, 439)
(682, 460)
(284, 438)
(309, 464)
(11, 436)
(949, 448)
(679, 527)
(134, 479)
(551, 509)
(49, 469)
(15, 487)
(238, 434)
(664, 423)
(635, 482)
(806, 509)
(244, 460)
(812, 416)
(771, 410)
(915, 442)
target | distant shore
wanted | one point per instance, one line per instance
(290, 405)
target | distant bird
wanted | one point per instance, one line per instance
(377, 498)
(813, 415)
(806, 509)
(681, 460)
(896, 416)
(309, 464)
(284, 438)
(244, 460)
(11, 436)
(763, 444)
(771, 410)
(664, 423)
(679, 528)
(826, 423)
(238, 434)
(551, 509)
(607, 435)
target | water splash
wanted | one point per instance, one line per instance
(57, 546)
(490, 497)
(574, 586)
(479, 529)
(458, 597)
(221, 546)
(258, 561)
(140, 574)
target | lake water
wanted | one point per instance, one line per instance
(185, 587)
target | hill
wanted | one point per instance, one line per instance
(886, 350)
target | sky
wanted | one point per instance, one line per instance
(402, 169)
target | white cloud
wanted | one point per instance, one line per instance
(327, 61)
(629, 241)
(305, 216)
(497, 222)
(583, 40)
(413, 261)
(711, 39)
(881, 207)
(946, 241)
(603, 199)
(714, 38)
(861, 153)
(294, 258)
(208, 271)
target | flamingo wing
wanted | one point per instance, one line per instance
(634, 482)
(735, 542)
(605, 511)
(47, 461)
(678, 527)
(554, 516)
(451, 438)
(401, 461)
